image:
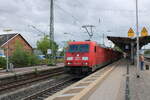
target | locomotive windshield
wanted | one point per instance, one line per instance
(79, 48)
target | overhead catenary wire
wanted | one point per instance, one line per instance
(71, 15)
(44, 34)
(76, 19)
(79, 2)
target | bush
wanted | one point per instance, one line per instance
(147, 52)
(20, 58)
(23, 59)
(2, 62)
(33, 60)
(48, 62)
(44, 61)
(51, 62)
(60, 60)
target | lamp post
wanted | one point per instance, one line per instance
(7, 52)
(137, 38)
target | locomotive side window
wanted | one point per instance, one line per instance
(95, 49)
(79, 48)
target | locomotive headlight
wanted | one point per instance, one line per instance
(69, 63)
(85, 63)
(85, 58)
(69, 58)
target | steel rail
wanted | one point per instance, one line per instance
(17, 84)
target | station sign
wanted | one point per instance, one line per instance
(144, 32)
(49, 51)
(131, 33)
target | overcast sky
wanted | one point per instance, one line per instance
(111, 17)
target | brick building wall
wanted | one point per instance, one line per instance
(11, 45)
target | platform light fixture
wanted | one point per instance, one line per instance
(7, 58)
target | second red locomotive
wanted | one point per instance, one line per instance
(87, 56)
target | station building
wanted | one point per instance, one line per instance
(8, 41)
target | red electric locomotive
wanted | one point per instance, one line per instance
(87, 56)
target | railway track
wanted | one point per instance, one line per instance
(56, 84)
(55, 87)
(16, 84)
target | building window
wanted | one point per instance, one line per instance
(1, 52)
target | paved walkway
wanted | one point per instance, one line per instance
(139, 87)
(113, 87)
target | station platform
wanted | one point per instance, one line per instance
(113, 87)
(26, 70)
(139, 87)
(119, 83)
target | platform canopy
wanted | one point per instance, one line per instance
(124, 43)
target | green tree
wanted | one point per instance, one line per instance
(2, 62)
(22, 58)
(19, 57)
(65, 47)
(147, 52)
(62, 52)
(45, 44)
